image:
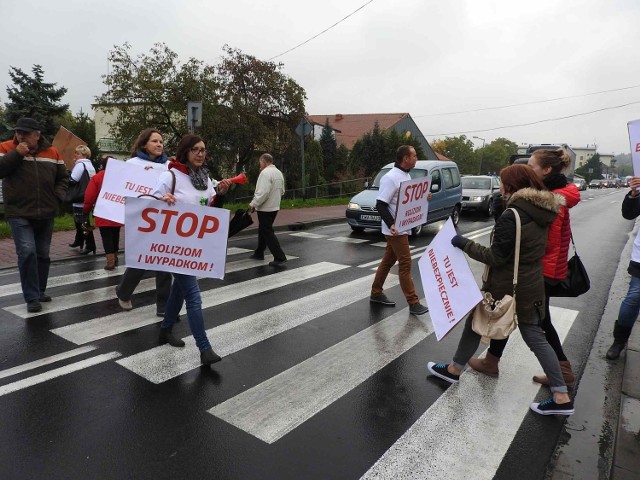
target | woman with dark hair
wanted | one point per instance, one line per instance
(192, 185)
(548, 166)
(148, 152)
(537, 209)
(109, 230)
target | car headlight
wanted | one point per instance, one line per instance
(479, 199)
(353, 206)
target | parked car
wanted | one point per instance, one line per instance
(595, 184)
(580, 183)
(478, 192)
(446, 191)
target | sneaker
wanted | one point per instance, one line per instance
(382, 299)
(550, 407)
(255, 256)
(418, 309)
(34, 306)
(440, 371)
(44, 298)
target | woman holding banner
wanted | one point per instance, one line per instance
(192, 185)
(148, 152)
(537, 208)
(548, 165)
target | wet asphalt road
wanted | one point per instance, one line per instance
(100, 419)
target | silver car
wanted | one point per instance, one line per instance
(479, 191)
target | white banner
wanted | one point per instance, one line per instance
(184, 238)
(449, 286)
(413, 205)
(122, 180)
(634, 140)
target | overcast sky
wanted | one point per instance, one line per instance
(428, 58)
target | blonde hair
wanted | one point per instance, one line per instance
(84, 151)
(558, 160)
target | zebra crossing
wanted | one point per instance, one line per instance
(275, 407)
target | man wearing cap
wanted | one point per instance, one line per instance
(34, 183)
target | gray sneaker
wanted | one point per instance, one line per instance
(382, 299)
(418, 309)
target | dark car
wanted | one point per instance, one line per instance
(478, 193)
(595, 184)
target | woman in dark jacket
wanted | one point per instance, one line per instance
(537, 209)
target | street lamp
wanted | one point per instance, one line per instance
(480, 168)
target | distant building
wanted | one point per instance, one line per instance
(349, 128)
(106, 143)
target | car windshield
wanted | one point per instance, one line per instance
(476, 183)
(415, 173)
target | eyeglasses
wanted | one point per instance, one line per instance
(199, 151)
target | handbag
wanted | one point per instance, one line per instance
(496, 319)
(241, 220)
(75, 192)
(577, 281)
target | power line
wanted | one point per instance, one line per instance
(533, 123)
(324, 31)
(526, 103)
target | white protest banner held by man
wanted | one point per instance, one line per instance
(183, 238)
(634, 140)
(450, 288)
(121, 180)
(413, 203)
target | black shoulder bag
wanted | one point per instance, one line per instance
(75, 192)
(577, 281)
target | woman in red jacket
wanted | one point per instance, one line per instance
(109, 231)
(548, 165)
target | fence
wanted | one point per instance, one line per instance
(327, 190)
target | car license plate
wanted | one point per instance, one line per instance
(370, 218)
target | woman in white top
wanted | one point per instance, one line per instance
(192, 185)
(81, 156)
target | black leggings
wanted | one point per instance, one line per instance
(497, 346)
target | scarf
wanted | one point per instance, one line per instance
(145, 156)
(554, 181)
(199, 177)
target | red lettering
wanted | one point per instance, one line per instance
(148, 219)
(168, 214)
(637, 147)
(181, 221)
(186, 224)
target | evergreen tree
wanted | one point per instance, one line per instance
(592, 169)
(35, 98)
(83, 127)
(329, 151)
(313, 164)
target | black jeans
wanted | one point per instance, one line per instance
(110, 239)
(267, 237)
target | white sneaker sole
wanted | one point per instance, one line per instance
(439, 375)
(534, 407)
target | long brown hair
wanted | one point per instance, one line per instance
(558, 160)
(517, 176)
(142, 140)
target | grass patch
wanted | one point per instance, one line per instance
(61, 223)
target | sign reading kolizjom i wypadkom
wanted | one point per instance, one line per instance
(183, 238)
(634, 140)
(121, 180)
(450, 288)
(413, 203)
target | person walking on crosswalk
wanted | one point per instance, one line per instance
(537, 209)
(397, 248)
(192, 185)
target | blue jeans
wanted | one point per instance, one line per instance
(185, 289)
(630, 306)
(32, 239)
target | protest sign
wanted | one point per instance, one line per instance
(183, 238)
(634, 140)
(66, 143)
(450, 288)
(413, 204)
(122, 179)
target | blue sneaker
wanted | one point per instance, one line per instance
(550, 407)
(440, 371)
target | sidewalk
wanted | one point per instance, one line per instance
(287, 219)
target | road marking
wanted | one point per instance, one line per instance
(80, 299)
(58, 372)
(384, 245)
(103, 327)
(275, 407)
(163, 363)
(45, 361)
(347, 240)
(479, 407)
(307, 235)
(377, 262)
(237, 250)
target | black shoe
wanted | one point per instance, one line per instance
(75, 244)
(440, 371)
(616, 349)
(86, 251)
(34, 306)
(256, 256)
(418, 309)
(382, 299)
(209, 356)
(550, 407)
(277, 263)
(44, 298)
(166, 336)
(161, 315)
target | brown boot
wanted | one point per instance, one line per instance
(111, 261)
(487, 365)
(567, 374)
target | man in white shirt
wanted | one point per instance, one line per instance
(266, 201)
(397, 241)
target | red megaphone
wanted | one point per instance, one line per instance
(239, 179)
